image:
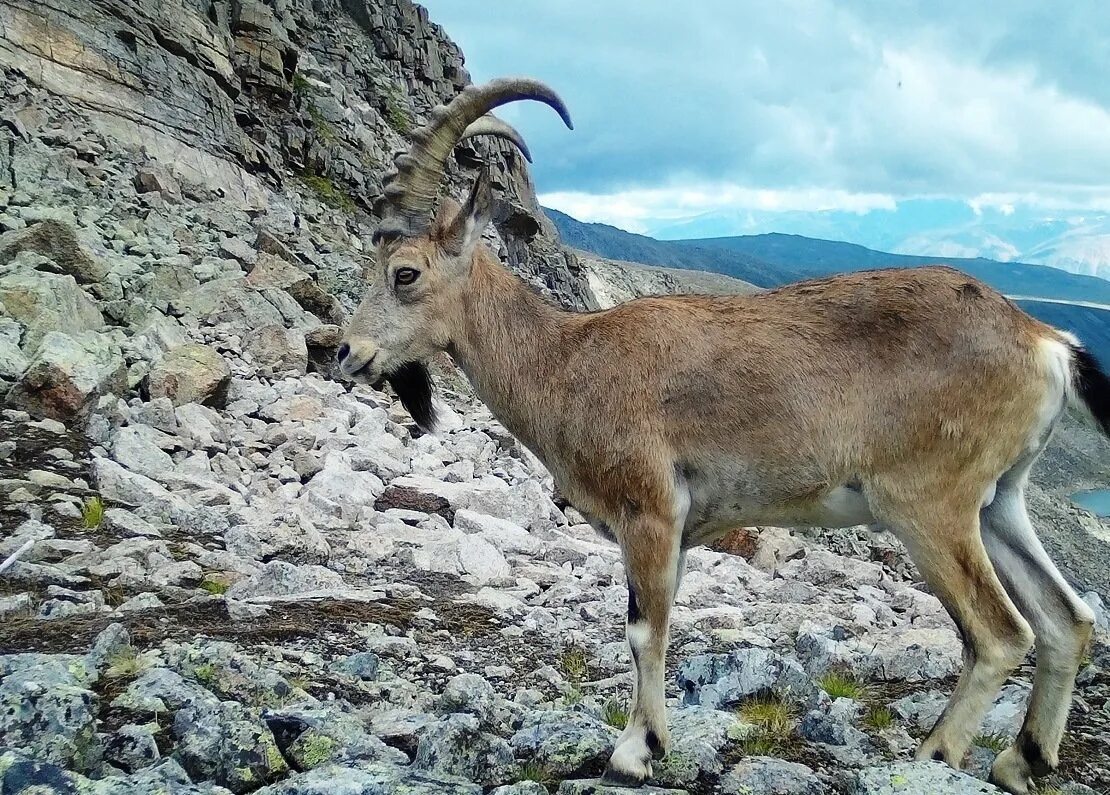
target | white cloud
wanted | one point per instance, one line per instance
(634, 209)
(895, 99)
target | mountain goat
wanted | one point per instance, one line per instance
(914, 399)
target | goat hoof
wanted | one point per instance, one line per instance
(1010, 772)
(616, 777)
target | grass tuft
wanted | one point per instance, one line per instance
(301, 85)
(574, 665)
(996, 741)
(767, 724)
(127, 663)
(879, 717)
(841, 684)
(770, 713)
(92, 513)
(534, 771)
(615, 714)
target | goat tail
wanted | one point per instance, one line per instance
(1090, 385)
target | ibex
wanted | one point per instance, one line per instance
(914, 400)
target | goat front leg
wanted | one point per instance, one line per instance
(651, 562)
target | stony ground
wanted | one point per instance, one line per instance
(236, 574)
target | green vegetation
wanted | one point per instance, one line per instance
(770, 713)
(996, 742)
(317, 750)
(326, 191)
(571, 697)
(534, 771)
(205, 674)
(127, 663)
(841, 684)
(214, 586)
(301, 86)
(767, 724)
(615, 714)
(879, 717)
(396, 115)
(574, 665)
(321, 125)
(92, 512)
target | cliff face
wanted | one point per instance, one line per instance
(251, 99)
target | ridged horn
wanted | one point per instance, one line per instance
(491, 125)
(411, 189)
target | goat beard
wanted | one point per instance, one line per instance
(413, 385)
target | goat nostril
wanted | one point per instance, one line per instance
(343, 352)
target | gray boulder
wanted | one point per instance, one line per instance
(45, 302)
(227, 744)
(768, 776)
(67, 374)
(370, 779)
(457, 747)
(919, 778)
(564, 743)
(718, 680)
(47, 711)
(192, 373)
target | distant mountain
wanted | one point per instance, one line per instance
(824, 257)
(613, 243)
(1078, 303)
(938, 227)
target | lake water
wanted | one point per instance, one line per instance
(1097, 501)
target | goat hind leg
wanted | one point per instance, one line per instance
(950, 555)
(652, 559)
(1062, 624)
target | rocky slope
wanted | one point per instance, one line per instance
(235, 574)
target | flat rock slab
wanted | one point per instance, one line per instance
(593, 787)
(920, 778)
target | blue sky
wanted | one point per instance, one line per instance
(733, 108)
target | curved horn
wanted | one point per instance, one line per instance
(412, 189)
(491, 125)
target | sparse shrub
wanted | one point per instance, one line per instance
(841, 684)
(615, 714)
(879, 717)
(205, 674)
(92, 512)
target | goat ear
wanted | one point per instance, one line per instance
(465, 229)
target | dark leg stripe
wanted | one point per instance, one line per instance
(1034, 755)
(634, 614)
(654, 745)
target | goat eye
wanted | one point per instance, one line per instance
(406, 275)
